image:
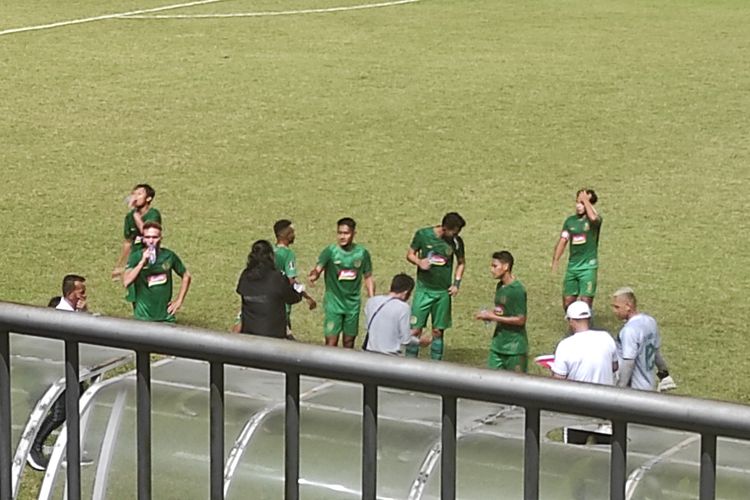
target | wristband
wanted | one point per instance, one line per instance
(457, 282)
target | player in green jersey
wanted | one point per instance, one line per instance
(286, 262)
(432, 250)
(581, 233)
(510, 345)
(149, 270)
(346, 266)
(140, 211)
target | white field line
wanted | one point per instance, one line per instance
(105, 16)
(271, 12)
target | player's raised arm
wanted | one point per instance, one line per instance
(588, 198)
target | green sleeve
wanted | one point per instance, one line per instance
(416, 241)
(290, 268)
(460, 252)
(126, 227)
(134, 258)
(178, 266)
(366, 263)
(325, 257)
(152, 215)
(516, 302)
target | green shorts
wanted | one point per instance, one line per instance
(335, 323)
(580, 283)
(434, 303)
(511, 362)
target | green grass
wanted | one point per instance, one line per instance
(500, 110)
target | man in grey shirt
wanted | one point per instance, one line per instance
(638, 346)
(387, 319)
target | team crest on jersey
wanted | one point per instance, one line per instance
(503, 299)
(586, 226)
(357, 263)
(449, 251)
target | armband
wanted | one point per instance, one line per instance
(457, 283)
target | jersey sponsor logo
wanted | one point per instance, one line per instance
(579, 239)
(156, 279)
(436, 259)
(499, 310)
(347, 274)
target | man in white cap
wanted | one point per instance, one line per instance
(586, 355)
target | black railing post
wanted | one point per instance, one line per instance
(708, 467)
(143, 396)
(370, 442)
(72, 419)
(291, 438)
(217, 430)
(448, 450)
(5, 428)
(531, 455)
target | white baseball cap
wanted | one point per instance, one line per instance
(578, 310)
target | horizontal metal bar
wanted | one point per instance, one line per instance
(676, 412)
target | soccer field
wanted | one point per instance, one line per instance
(394, 115)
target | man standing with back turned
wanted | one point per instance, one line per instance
(581, 232)
(432, 250)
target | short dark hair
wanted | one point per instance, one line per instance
(505, 257)
(151, 225)
(402, 283)
(347, 221)
(54, 301)
(452, 220)
(149, 190)
(280, 227)
(69, 283)
(593, 199)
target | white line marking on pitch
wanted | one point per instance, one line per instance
(271, 12)
(105, 16)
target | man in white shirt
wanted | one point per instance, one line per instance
(387, 320)
(73, 299)
(73, 294)
(638, 346)
(587, 355)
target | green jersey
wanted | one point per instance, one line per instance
(510, 300)
(583, 238)
(344, 271)
(153, 286)
(286, 261)
(440, 253)
(131, 232)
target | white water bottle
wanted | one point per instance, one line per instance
(152, 254)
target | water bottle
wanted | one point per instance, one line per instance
(152, 254)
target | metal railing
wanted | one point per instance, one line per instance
(707, 418)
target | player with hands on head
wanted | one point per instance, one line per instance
(580, 232)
